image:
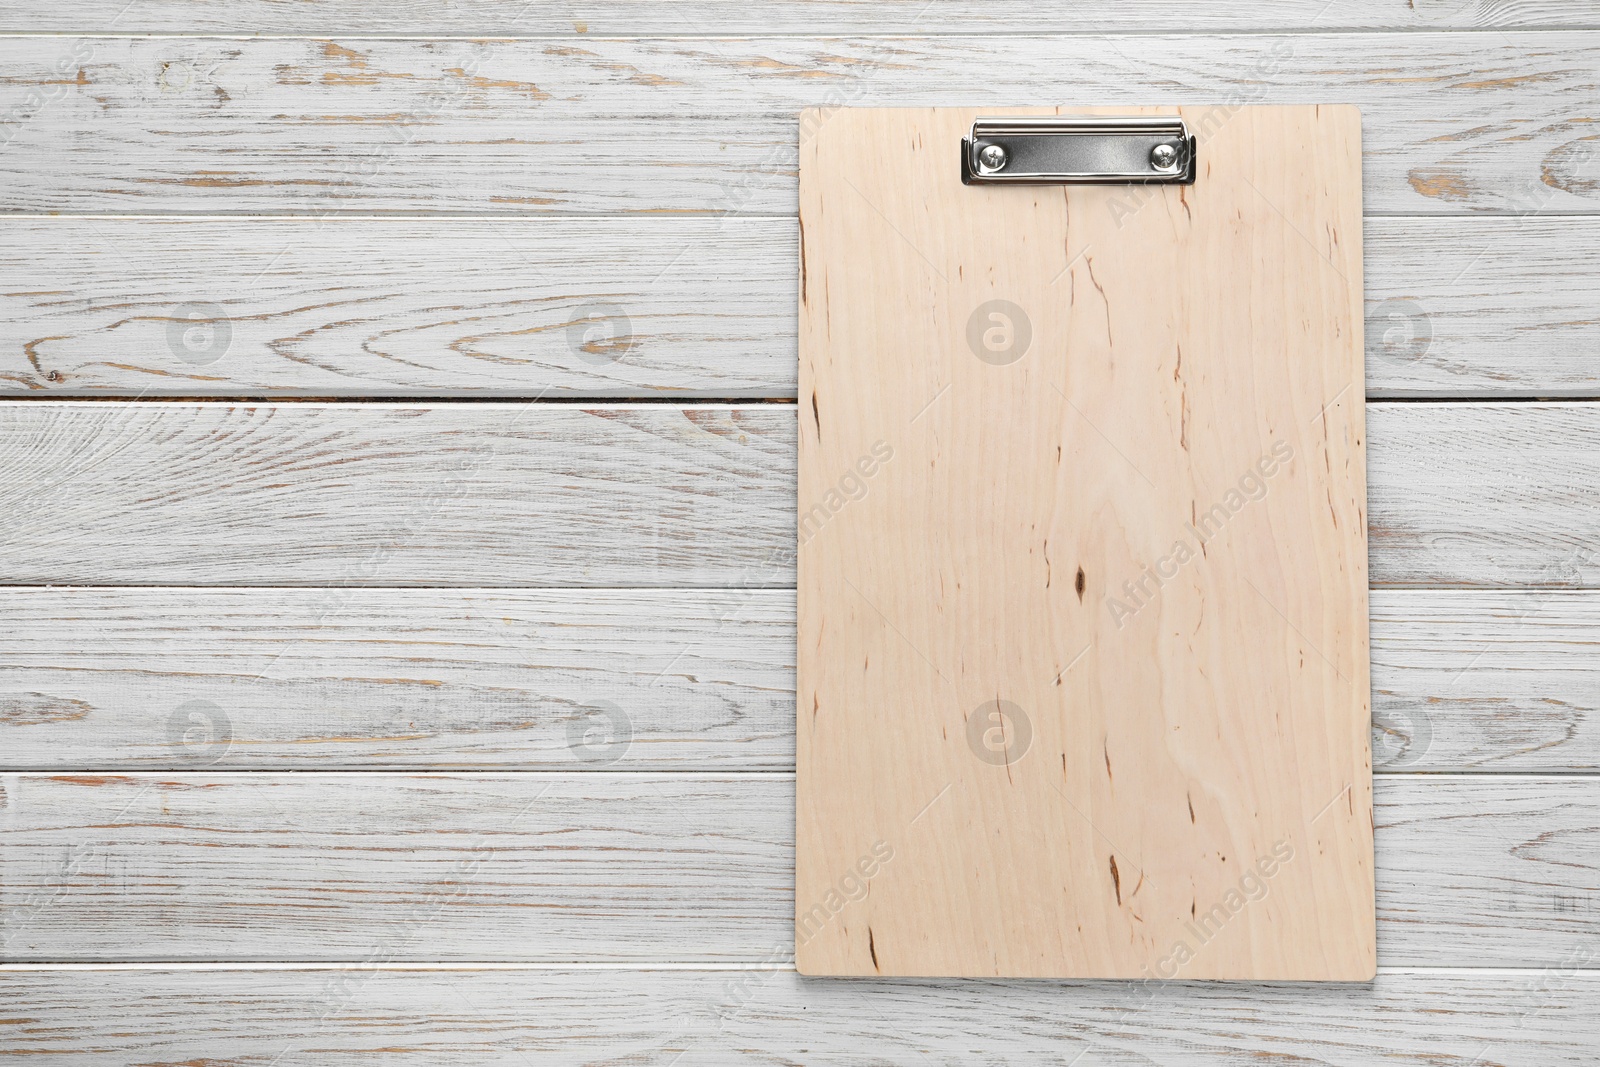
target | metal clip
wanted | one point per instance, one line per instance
(1071, 150)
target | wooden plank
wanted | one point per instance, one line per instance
(1484, 307)
(1472, 871)
(398, 307)
(364, 678)
(94, 679)
(1216, 657)
(306, 494)
(500, 18)
(1486, 680)
(488, 494)
(1473, 464)
(1453, 123)
(1469, 307)
(165, 1018)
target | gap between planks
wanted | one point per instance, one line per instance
(711, 403)
(1497, 777)
(491, 37)
(631, 218)
(605, 965)
(434, 400)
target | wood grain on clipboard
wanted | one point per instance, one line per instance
(1083, 654)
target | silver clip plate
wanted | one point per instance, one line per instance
(1069, 150)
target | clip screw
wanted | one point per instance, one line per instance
(1164, 156)
(993, 157)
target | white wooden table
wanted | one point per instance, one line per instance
(396, 450)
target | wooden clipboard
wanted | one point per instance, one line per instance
(1083, 655)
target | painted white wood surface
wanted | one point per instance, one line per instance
(1452, 122)
(768, 1015)
(1493, 121)
(557, 18)
(520, 494)
(364, 678)
(1517, 480)
(1485, 680)
(400, 307)
(1464, 307)
(115, 679)
(1491, 870)
(328, 494)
